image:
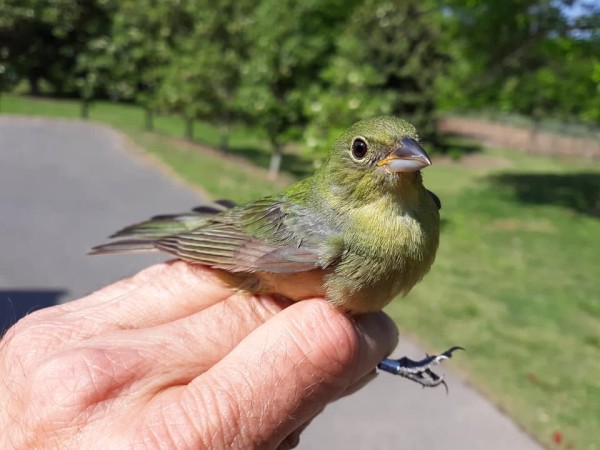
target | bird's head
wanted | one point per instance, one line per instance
(374, 156)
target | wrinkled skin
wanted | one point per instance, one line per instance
(172, 358)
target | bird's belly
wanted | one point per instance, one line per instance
(372, 288)
(293, 286)
(373, 273)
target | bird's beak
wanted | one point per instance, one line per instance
(408, 157)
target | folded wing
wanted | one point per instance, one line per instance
(268, 235)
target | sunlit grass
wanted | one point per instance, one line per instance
(516, 279)
(517, 283)
(221, 176)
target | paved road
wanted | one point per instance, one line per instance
(65, 185)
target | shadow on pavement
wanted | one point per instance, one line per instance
(17, 303)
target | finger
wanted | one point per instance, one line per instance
(285, 372)
(132, 367)
(159, 294)
(177, 352)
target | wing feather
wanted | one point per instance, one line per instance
(271, 234)
(263, 236)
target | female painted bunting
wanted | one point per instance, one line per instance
(360, 231)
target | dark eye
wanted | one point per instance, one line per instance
(359, 148)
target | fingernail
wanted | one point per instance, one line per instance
(380, 330)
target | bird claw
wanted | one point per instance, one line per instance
(418, 371)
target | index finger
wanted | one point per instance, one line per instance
(157, 295)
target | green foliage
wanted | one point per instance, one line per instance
(310, 67)
(290, 42)
(386, 61)
(564, 87)
(142, 41)
(40, 40)
(203, 78)
(524, 56)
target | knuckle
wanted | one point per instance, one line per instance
(67, 384)
(68, 390)
(30, 339)
(16, 345)
(67, 378)
(46, 393)
(24, 324)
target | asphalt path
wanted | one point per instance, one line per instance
(65, 185)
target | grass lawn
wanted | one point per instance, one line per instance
(516, 281)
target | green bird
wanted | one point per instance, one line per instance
(360, 231)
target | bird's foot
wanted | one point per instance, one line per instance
(418, 371)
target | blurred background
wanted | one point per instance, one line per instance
(238, 98)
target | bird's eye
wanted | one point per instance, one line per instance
(359, 148)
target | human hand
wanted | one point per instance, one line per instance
(172, 358)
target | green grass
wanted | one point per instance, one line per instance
(222, 177)
(517, 283)
(516, 279)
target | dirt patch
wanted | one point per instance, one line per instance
(531, 140)
(475, 161)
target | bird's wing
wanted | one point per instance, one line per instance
(269, 235)
(169, 224)
(436, 199)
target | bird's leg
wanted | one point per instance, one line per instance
(418, 371)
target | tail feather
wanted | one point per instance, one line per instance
(161, 226)
(123, 246)
(143, 235)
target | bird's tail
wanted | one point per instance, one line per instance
(124, 246)
(142, 236)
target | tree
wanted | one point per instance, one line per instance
(290, 42)
(41, 39)
(526, 56)
(130, 59)
(386, 62)
(203, 78)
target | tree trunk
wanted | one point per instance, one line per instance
(85, 109)
(34, 85)
(148, 119)
(275, 163)
(225, 139)
(189, 128)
